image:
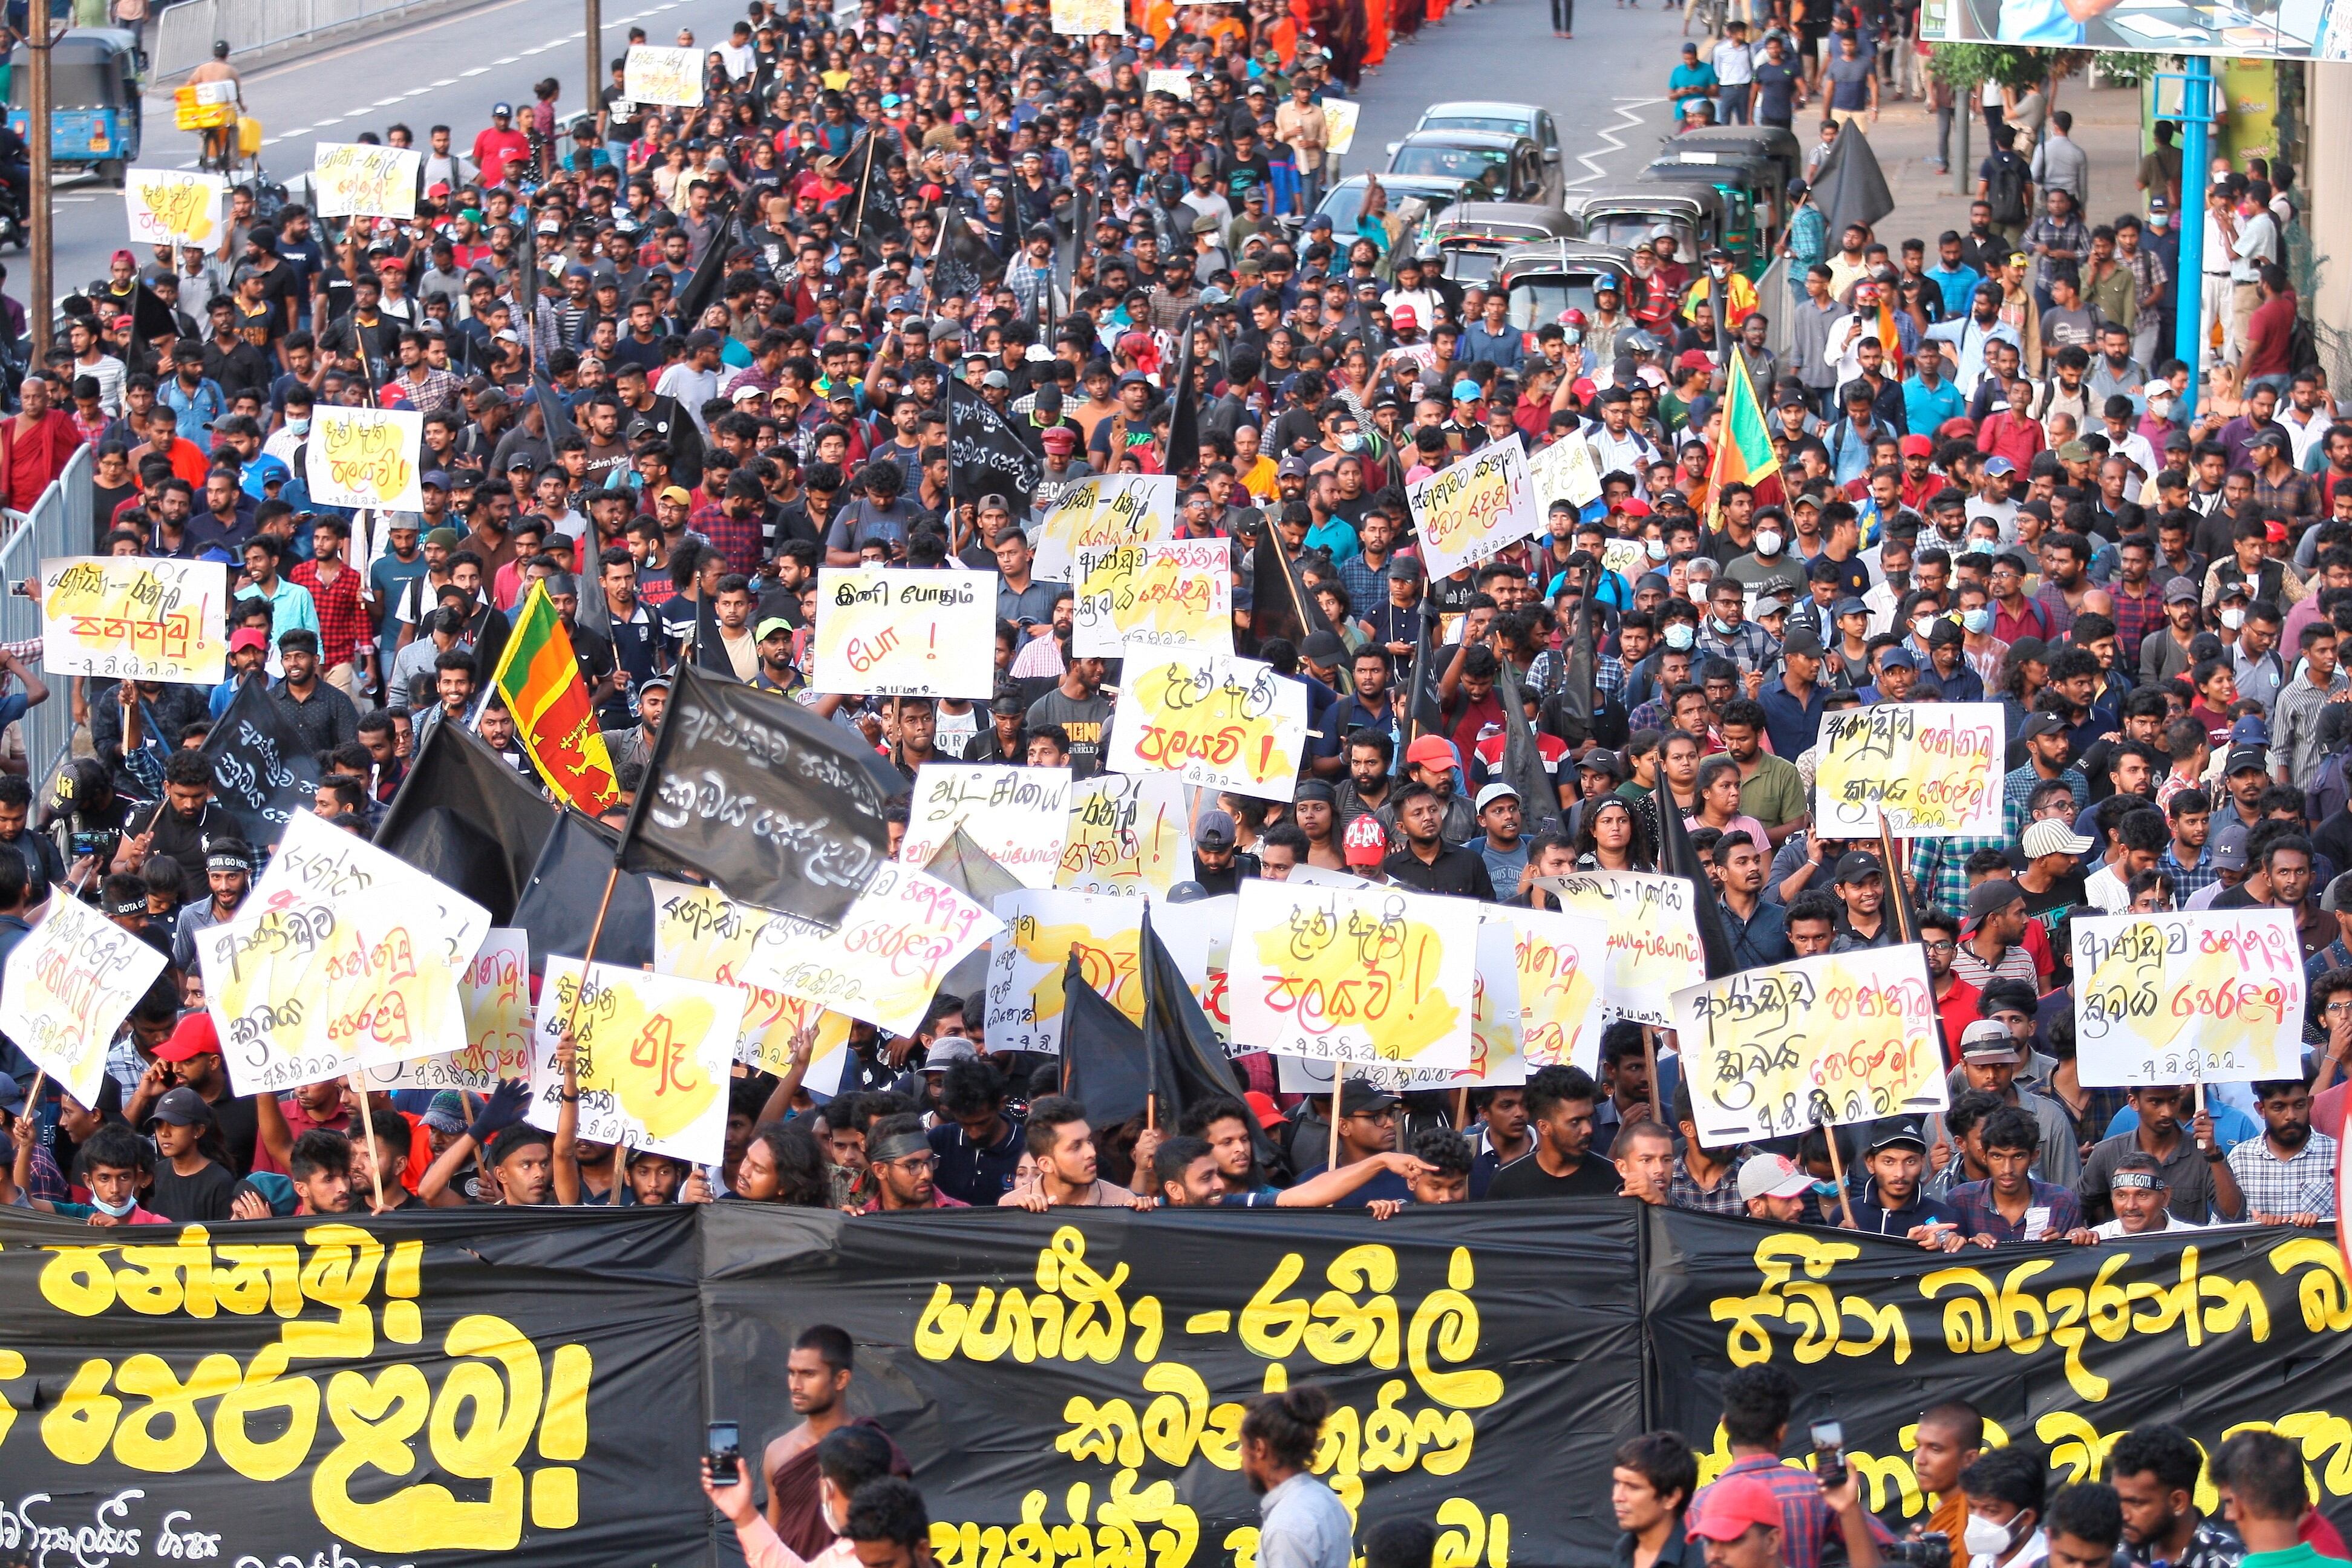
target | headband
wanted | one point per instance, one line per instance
(898, 1146)
(2134, 1181)
(226, 863)
(127, 906)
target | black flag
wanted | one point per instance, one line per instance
(754, 793)
(1279, 606)
(985, 454)
(1576, 681)
(858, 172)
(1523, 767)
(1187, 1064)
(1850, 188)
(465, 818)
(1678, 858)
(565, 888)
(702, 290)
(262, 774)
(1105, 1065)
(1419, 714)
(1183, 413)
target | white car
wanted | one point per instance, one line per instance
(1526, 119)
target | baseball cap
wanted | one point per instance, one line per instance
(1898, 1132)
(248, 636)
(1430, 751)
(1262, 1106)
(2338, 896)
(194, 1035)
(1600, 760)
(1917, 447)
(945, 1054)
(1989, 897)
(1404, 316)
(1999, 466)
(1360, 1099)
(1364, 843)
(773, 624)
(1853, 866)
(1215, 831)
(183, 1107)
(2041, 724)
(1494, 792)
(1898, 658)
(2179, 589)
(1769, 1176)
(1987, 1039)
(2050, 836)
(2243, 758)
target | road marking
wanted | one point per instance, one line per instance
(1627, 120)
(330, 120)
(507, 61)
(477, 70)
(388, 103)
(447, 81)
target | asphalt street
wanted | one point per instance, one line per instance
(1606, 88)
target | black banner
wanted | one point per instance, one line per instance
(262, 774)
(464, 817)
(775, 805)
(432, 1389)
(985, 457)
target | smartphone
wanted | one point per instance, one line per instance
(1829, 1453)
(724, 1450)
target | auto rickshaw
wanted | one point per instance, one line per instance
(94, 90)
(1627, 215)
(1754, 200)
(1749, 141)
(1469, 236)
(1548, 278)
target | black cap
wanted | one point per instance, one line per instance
(1853, 866)
(1897, 1132)
(1359, 1099)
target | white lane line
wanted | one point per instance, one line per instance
(477, 70)
(507, 61)
(1627, 120)
(330, 120)
(388, 103)
(447, 81)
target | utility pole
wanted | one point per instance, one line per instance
(596, 77)
(2188, 340)
(37, 228)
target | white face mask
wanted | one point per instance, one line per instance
(299, 426)
(1922, 626)
(1655, 549)
(1767, 541)
(100, 1204)
(1678, 635)
(2233, 619)
(1983, 1538)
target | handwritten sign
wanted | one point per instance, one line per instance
(1561, 960)
(654, 1057)
(175, 207)
(700, 933)
(134, 617)
(890, 632)
(1199, 936)
(1473, 507)
(1339, 119)
(495, 992)
(1497, 1058)
(1565, 471)
(655, 74)
(1025, 967)
(1076, 16)
(1176, 84)
(367, 457)
(1020, 816)
(1212, 719)
(1653, 949)
(1380, 975)
(68, 985)
(1108, 508)
(905, 935)
(1840, 1037)
(1128, 835)
(1933, 769)
(349, 179)
(1134, 598)
(1625, 557)
(2213, 997)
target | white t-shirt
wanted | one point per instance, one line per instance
(2115, 1228)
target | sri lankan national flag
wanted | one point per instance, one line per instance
(538, 680)
(1743, 453)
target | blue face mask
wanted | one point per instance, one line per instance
(1825, 1189)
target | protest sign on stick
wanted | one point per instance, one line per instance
(1376, 976)
(1933, 769)
(175, 207)
(1108, 508)
(904, 935)
(1839, 1037)
(900, 633)
(1473, 507)
(1026, 965)
(654, 1057)
(1654, 946)
(2204, 996)
(1562, 957)
(367, 457)
(494, 994)
(68, 985)
(656, 73)
(1211, 720)
(1133, 598)
(700, 933)
(350, 179)
(1019, 816)
(135, 618)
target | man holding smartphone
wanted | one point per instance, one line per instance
(1755, 1404)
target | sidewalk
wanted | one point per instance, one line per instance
(2106, 125)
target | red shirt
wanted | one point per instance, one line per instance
(29, 459)
(494, 149)
(1954, 1014)
(2272, 322)
(2010, 435)
(342, 622)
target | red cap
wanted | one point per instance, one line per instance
(1917, 446)
(1693, 359)
(1364, 842)
(1958, 428)
(248, 636)
(2275, 531)
(1270, 1115)
(1583, 387)
(1729, 1509)
(1430, 751)
(194, 1037)
(1404, 316)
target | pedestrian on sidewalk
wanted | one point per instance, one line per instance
(2060, 164)
(1735, 72)
(2005, 182)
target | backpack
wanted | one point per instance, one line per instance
(2301, 346)
(2005, 188)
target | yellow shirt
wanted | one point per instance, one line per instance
(1259, 480)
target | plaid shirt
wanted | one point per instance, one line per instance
(342, 623)
(2297, 496)
(1940, 868)
(1979, 1216)
(1685, 1193)
(2018, 788)
(1748, 644)
(1807, 1522)
(436, 392)
(2135, 618)
(1367, 585)
(2188, 880)
(737, 541)
(2304, 1185)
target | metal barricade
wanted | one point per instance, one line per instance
(59, 523)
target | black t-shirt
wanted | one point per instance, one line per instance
(1527, 1179)
(205, 1196)
(240, 1125)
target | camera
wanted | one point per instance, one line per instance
(1932, 1550)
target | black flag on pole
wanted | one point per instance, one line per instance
(466, 818)
(261, 774)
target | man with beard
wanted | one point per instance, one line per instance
(191, 1059)
(186, 827)
(321, 1170)
(1302, 1523)
(2138, 1192)
(817, 1374)
(2154, 1469)
(2200, 1180)
(2287, 1176)
(229, 875)
(1560, 1102)
(898, 1156)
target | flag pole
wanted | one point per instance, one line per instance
(367, 1126)
(588, 957)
